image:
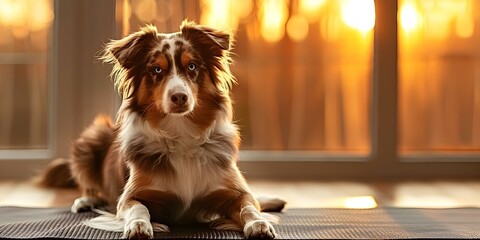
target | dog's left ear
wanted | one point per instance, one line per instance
(214, 46)
(216, 41)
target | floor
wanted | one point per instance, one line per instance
(435, 194)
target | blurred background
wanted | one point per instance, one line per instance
(335, 89)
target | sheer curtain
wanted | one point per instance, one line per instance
(309, 95)
(25, 28)
(303, 84)
(439, 75)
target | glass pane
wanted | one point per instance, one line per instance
(439, 81)
(303, 66)
(24, 46)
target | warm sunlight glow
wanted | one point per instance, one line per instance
(360, 202)
(13, 12)
(40, 16)
(215, 13)
(274, 14)
(437, 19)
(359, 14)
(242, 8)
(225, 14)
(311, 8)
(297, 28)
(465, 26)
(330, 28)
(409, 17)
(24, 16)
(126, 15)
(145, 10)
(437, 45)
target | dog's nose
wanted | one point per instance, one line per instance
(179, 99)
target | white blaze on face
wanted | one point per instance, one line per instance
(176, 87)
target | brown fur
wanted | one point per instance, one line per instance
(58, 175)
(142, 161)
(91, 155)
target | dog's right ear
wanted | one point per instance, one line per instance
(128, 50)
(128, 54)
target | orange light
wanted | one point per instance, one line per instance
(360, 202)
(297, 28)
(224, 14)
(464, 26)
(13, 13)
(359, 14)
(409, 17)
(41, 14)
(439, 18)
(24, 17)
(311, 9)
(127, 14)
(242, 8)
(330, 28)
(274, 14)
(214, 13)
(145, 10)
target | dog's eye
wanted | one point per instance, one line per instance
(192, 66)
(157, 70)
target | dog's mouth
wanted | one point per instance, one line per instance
(179, 111)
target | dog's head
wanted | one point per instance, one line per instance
(180, 74)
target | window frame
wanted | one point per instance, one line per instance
(78, 29)
(71, 109)
(384, 161)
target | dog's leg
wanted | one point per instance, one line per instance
(135, 214)
(249, 217)
(88, 154)
(137, 220)
(255, 226)
(87, 201)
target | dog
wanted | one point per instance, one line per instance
(170, 156)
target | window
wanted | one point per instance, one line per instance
(50, 85)
(25, 35)
(439, 83)
(304, 68)
(318, 94)
(327, 89)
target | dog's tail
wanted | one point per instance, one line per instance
(88, 152)
(56, 174)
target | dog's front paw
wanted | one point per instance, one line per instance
(82, 204)
(259, 229)
(138, 229)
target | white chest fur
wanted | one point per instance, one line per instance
(192, 155)
(195, 175)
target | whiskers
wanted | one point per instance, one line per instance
(152, 105)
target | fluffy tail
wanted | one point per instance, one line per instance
(87, 154)
(57, 174)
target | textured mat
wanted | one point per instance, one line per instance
(380, 223)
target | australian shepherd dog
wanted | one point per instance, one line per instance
(170, 156)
